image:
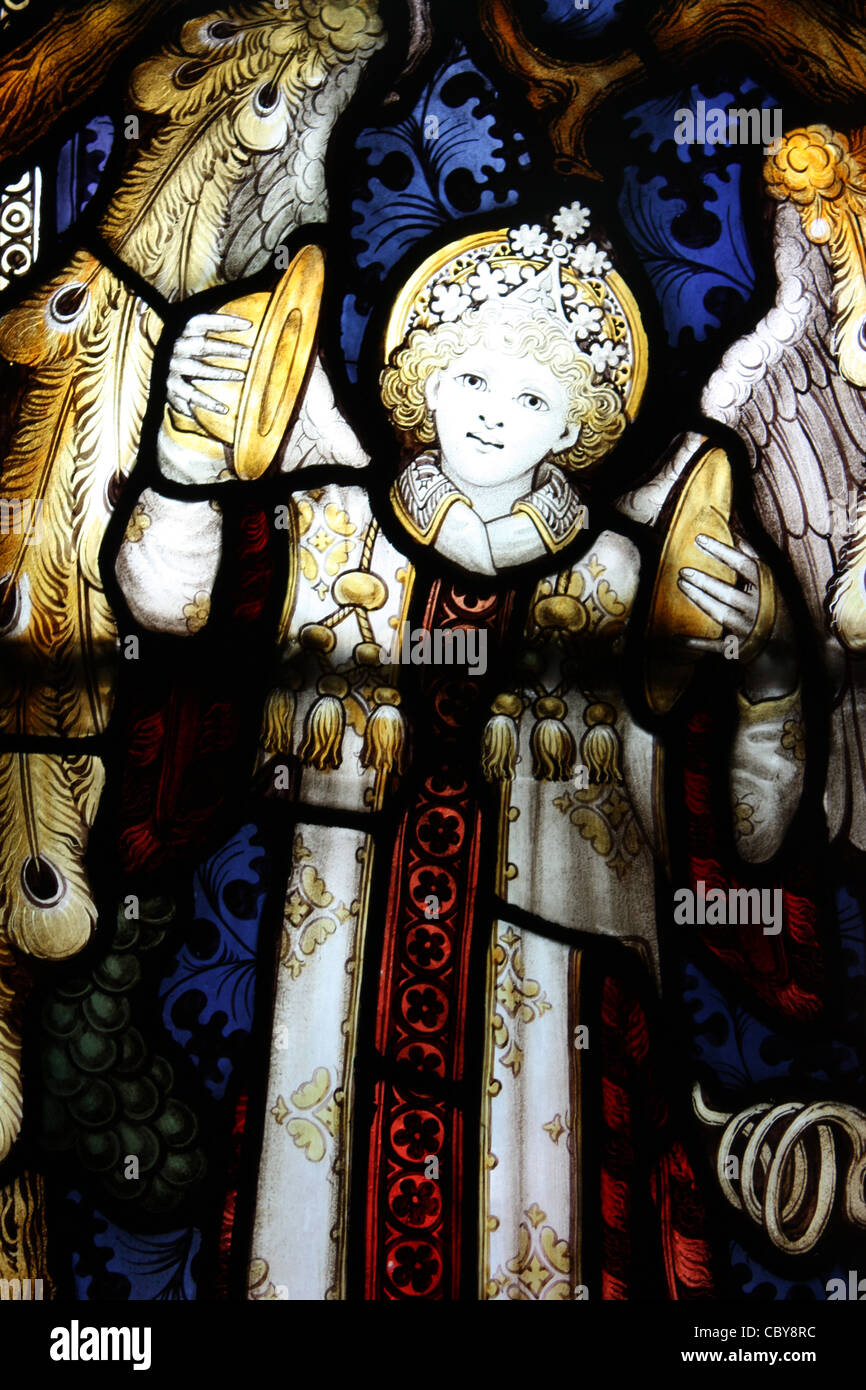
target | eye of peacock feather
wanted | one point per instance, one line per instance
(42, 884)
(266, 98)
(68, 302)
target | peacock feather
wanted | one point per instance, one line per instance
(233, 97)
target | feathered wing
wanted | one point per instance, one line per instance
(248, 98)
(47, 804)
(12, 996)
(804, 427)
(87, 345)
(241, 107)
(286, 187)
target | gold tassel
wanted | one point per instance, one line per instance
(499, 742)
(600, 747)
(552, 742)
(325, 725)
(384, 747)
(277, 720)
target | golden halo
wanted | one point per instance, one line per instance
(410, 304)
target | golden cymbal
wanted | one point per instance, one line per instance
(282, 337)
(702, 507)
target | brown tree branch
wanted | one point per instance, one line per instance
(60, 65)
(820, 49)
(821, 52)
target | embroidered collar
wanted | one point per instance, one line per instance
(422, 495)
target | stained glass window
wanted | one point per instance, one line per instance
(432, 614)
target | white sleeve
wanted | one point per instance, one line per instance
(168, 562)
(320, 434)
(767, 768)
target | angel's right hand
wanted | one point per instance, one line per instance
(190, 361)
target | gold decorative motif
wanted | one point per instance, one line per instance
(744, 823)
(794, 739)
(333, 542)
(600, 746)
(197, 612)
(359, 588)
(367, 698)
(535, 1214)
(605, 819)
(541, 1269)
(320, 1101)
(278, 718)
(556, 1127)
(339, 520)
(521, 999)
(137, 524)
(309, 915)
(582, 604)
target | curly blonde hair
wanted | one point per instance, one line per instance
(596, 407)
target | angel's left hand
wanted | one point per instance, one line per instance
(733, 604)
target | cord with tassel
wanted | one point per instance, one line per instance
(324, 726)
(551, 741)
(384, 747)
(277, 721)
(600, 747)
(499, 741)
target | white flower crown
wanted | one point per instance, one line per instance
(564, 277)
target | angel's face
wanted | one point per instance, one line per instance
(497, 415)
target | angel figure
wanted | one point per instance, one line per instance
(233, 113)
(793, 391)
(470, 915)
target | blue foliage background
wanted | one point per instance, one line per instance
(456, 153)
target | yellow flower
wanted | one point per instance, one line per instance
(810, 163)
